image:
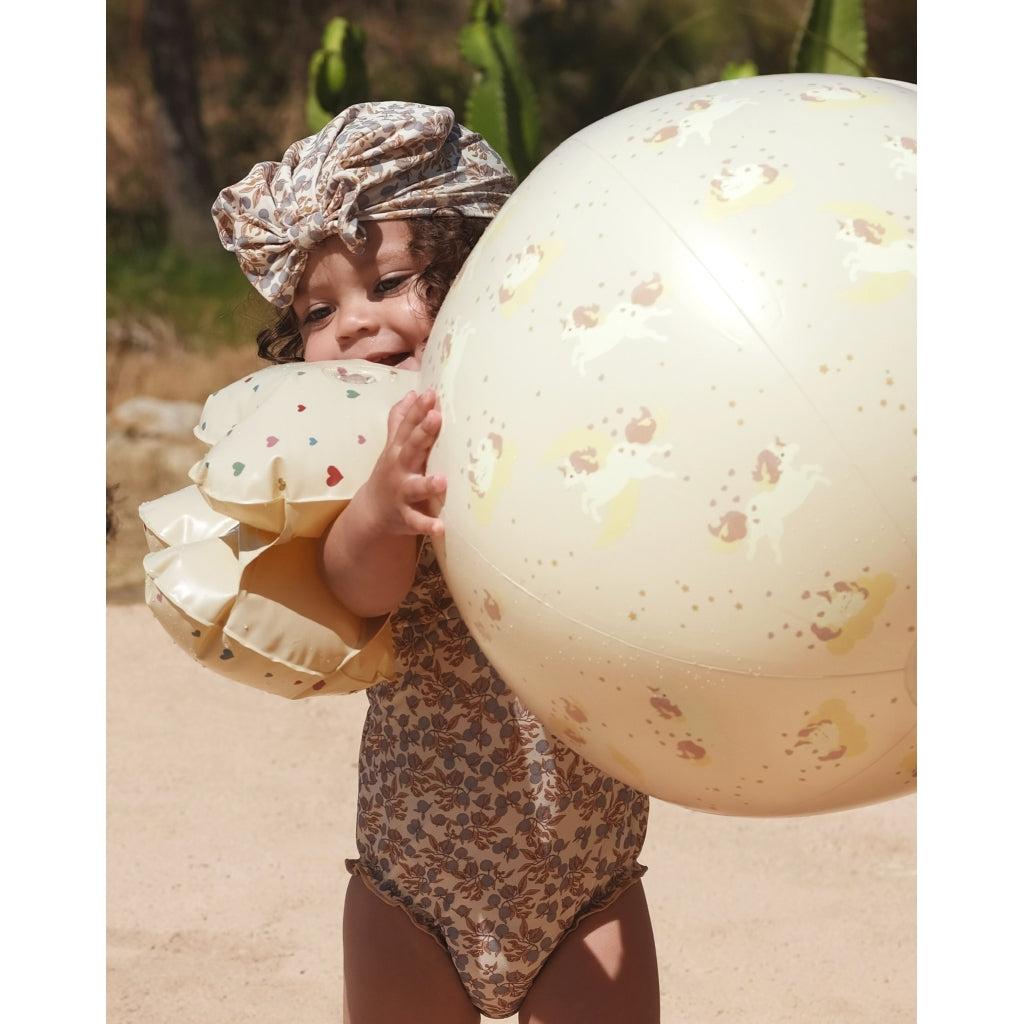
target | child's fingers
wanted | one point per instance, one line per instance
(423, 523)
(398, 414)
(402, 409)
(425, 433)
(415, 404)
(399, 478)
(423, 498)
(420, 489)
(426, 487)
(413, 431)
(411, 413)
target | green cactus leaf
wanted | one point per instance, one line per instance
(334, 34)
(334, 74)
(501, 104)
(337, 74)
(832, 39)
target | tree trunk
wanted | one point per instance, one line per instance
(186, 180)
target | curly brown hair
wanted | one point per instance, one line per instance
(444, 240)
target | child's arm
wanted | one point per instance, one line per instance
(368, 554)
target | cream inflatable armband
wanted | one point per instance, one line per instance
(231, 572)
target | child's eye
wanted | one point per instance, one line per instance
(390, 284)
(316, 314)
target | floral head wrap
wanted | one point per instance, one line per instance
(374, 161)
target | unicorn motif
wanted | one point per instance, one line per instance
(700, 117)
(524, 265)
(483, 462)
(832, 94)
(871, 253)
(526, 270)
(604, 471)
(905, 161)
(735, 183)
(600, 481)
(595, 332)
(787, 486)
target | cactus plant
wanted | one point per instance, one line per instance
(337, 72)
(832, 38)
(501, 104)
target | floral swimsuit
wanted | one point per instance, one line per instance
(492, 835)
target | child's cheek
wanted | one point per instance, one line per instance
(316, 349)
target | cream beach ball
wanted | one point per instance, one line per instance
(677, 377)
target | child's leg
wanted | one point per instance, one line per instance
(605, 972)
(394, 971)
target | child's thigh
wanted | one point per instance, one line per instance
(605, 972)
(393, 970)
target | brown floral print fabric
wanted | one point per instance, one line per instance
(494, 836)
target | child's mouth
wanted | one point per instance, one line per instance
(396, 359)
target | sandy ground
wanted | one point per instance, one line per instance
(229, 814)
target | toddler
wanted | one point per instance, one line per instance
(497, 870)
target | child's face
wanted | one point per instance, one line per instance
(365, 306)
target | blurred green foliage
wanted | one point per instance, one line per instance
(581, 59)
(501, 103)
(204, 303)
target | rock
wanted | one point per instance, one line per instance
(150, 449)
(154, 417)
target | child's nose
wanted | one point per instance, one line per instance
(358, 318)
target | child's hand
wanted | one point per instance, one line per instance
(368, 554)
(398, 494)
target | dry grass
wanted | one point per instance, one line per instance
(145, 357)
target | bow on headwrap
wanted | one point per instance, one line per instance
(374, 161)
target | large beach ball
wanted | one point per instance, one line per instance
(678, 385)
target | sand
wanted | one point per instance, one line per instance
(229, 815)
